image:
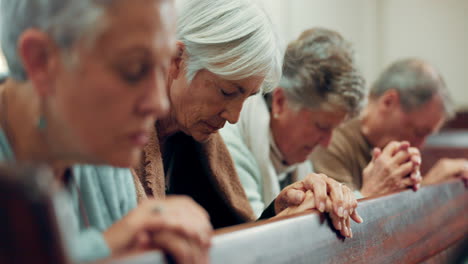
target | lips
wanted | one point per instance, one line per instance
(140, 138)
(214, 127)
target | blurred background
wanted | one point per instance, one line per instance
(383, 31)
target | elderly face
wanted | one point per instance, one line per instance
(203, 106)
(298, 132)
(105, 104)
(415, 126)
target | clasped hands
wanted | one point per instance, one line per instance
(393, 168)
(318, 191)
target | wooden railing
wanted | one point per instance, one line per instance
(428, 226)
(447, 144)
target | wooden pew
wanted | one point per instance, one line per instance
(428, 226)
(460, 121)
(446, 144)
(28, 230)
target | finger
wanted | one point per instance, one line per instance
(392, 148)
(348, 224)
(376, 152)
(401, 157)
(174, 247)
(356, 217)
(403, 170)
(405, 183)
(336, 195)
(404, 146)
(345, 228)
(336, 221)
(192, 230)
(415, 156)
(294, 197)
(317, 184)
(350, 200)
(308, 203)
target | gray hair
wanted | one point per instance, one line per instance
(233, 39)
(319, 73)
(64, 20)
(416, 81)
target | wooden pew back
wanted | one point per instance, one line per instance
(28, 229)
(408, 227)
(447, 144)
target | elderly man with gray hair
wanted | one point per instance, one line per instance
(377, 153)
(319, 89)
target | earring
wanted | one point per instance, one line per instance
(275, 116)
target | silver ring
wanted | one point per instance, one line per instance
(158, 209)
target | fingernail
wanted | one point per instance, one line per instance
(351, 232)
(339, 226)
(360, 219)
(346, 213)
(322, 207)
(340, 211)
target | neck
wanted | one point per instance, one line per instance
(167, 127)
(19, 115)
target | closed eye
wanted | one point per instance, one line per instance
(227, 94)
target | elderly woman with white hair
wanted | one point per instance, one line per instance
(81, 91)
(227, 52)
(319, 89)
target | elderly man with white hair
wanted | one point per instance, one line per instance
(372, 153)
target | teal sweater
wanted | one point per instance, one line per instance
(107, 195)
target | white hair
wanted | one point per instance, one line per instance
(233, 39)
(64, 20)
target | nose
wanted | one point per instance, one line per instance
(232, 112)
(155, 101)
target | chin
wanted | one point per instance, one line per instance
(201, 137)
(126, 159)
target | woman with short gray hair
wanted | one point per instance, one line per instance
(86, 86)
(319, 89)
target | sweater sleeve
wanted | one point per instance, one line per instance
(88, 245)
(246, 167)
(82, 245)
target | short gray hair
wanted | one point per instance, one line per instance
(64, 20)
(416, 81)
(233, 39)
(319, 73)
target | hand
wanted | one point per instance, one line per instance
(312, 191)
(446, 169)
(389, 169)
(151, 224)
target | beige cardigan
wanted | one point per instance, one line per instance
(213, 165)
